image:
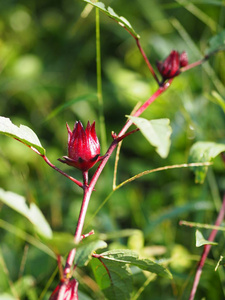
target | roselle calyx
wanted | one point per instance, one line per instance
(70, 293)
(171, 66)
(83, 147)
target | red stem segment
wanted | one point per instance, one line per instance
(79, 183)
(206, 250)
(147, 61)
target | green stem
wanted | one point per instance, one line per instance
(99, 84)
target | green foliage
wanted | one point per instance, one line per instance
(157, 132)
(84, 252)
(31, 212)
(117, 282)
(111, 13)
(48, 78)
(217, 42)
(23, 134)
(201, 241)
(204, 152)
(114, 276)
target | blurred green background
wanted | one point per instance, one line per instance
(48, 78)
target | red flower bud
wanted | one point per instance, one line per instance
(183, 59)
(83, 147)
(170, 67)
(70, 293)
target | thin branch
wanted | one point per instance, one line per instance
(79, 183)
(206, 251)
(147, 61)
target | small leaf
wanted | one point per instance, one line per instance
(113, 278)
(111, 13)
(203, 152)
(157, 132)
(125, 256)
(83, 254)
(23, 133)
(201, 241)
(31, 212)
(217, 42)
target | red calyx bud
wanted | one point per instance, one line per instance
(170, 67)
(70, 293)
(83, 147)
(183, 59)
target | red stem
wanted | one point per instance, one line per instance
(206, 250)
(79, 183)
(146, 60)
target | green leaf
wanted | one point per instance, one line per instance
(82, 296)
(65, 105)
(201, 241)
(83, 254)
(218, 100)
(113, 278)
(111, 13)
(203, 152)
(113, 275)
(125, 256)
(23, 133)
(31, 212)
(60, 242)
(217, 42)
(157, 132)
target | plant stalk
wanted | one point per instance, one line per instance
(206, 251)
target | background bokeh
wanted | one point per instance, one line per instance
(48, 78)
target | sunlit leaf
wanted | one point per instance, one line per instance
(111, 13)
(83, 254)
(203, 152)
(217, 42)
(22, 133)
(31, 212)
(157, 132)
(125, 256)
(201, 241)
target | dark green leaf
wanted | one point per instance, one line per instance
(203, 152)
(157, 132)
(125, 256)
(111, 13)
(201, 241)
(113, 278)
(83, 254)
(31, 212)
(217, 42)
(23, 133)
